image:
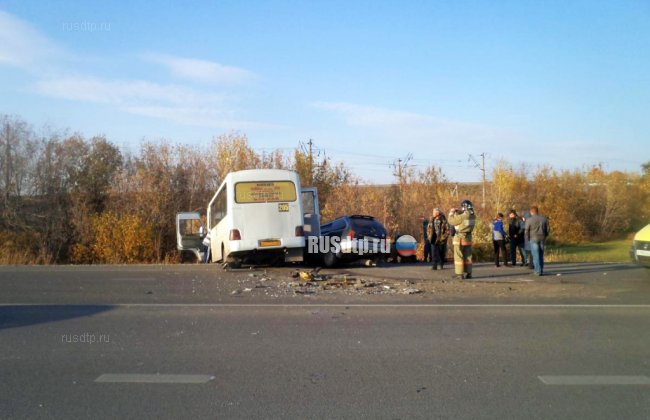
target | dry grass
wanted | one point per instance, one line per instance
(610, 251)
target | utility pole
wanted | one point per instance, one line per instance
(480, 166)
(308, 149)
(400, 167)
(396, 192)
(484, 182)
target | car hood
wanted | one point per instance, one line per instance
(643, 234)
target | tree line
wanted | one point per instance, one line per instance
(69, 199)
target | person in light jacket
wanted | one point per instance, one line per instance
(463, 220)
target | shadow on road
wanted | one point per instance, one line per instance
(15, 316)
(487, 271)
(569, 268)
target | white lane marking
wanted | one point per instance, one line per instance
(338, 305)
(156, 378)
(595, 380)
(133, 279)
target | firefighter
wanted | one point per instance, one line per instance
(463, 221)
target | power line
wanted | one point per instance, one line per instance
(400, 166)
(480, 166)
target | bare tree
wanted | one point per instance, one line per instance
(17, 150)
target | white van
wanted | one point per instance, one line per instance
(256, 216)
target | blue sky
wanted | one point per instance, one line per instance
(565, 83)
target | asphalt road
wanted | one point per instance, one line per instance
(85, 342)
(564, 283)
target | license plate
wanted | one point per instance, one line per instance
(282, 207)
(271, 242)
(642, 253)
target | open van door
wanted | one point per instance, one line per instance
(311, 211)
(189, 234)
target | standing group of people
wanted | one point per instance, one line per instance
(526, 234)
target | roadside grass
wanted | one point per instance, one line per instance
(611, 251)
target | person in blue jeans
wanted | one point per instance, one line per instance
(536, 232)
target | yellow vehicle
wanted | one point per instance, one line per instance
(640, 252)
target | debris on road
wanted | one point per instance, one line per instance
(304, 291)
(311, 282)
(279, 283)
(305, 276)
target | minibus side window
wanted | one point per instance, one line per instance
(219, 207)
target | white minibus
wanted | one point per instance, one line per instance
(256, 216)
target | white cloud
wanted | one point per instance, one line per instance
(420, 128)
(169, 102)
(447, 143)
(124, 92)
(199, 116)
(21, 45)
(201, 70)
(442, 142)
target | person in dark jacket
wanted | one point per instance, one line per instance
(516, 236)
(536, 232)
(428, 257)
(438, 235)
(499, 240)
